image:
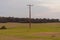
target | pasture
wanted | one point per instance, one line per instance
(39, 31)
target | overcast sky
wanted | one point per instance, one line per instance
(40, 9)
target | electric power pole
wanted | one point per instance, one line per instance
(30, 15)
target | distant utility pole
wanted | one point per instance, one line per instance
(30, 15)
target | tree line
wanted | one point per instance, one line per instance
(26, 20)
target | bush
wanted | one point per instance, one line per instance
(3, 27)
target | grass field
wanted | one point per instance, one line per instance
(39, 31)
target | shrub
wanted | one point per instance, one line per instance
(3, 27)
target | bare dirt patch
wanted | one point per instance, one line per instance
(47, 34)
(9, 38)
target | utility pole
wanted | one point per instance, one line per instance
(30, 15)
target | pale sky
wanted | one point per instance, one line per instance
(40, 8)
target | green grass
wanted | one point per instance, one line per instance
(22, 30)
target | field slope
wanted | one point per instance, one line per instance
(38, 31)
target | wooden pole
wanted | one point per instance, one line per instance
(30, 16)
